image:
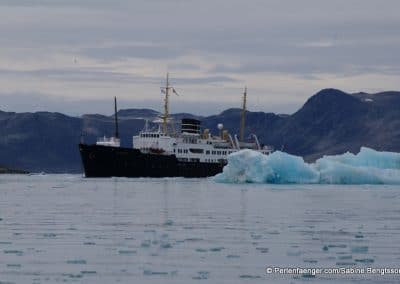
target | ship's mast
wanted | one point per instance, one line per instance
(243, 114)
(167, 91)
(116, 118)
(166, 105)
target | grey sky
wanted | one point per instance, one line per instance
(74, 56)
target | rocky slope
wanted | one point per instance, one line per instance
(330, 122)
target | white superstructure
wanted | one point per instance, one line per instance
(194, 146)
(191, 144)
(108, 141)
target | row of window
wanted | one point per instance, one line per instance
(219, 152)
(190, 140)
(189, 160)
(214, 160)
(149, 135)
(199, 151)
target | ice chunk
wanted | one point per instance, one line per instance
(367, 167)
(367, 158)
(278, 167)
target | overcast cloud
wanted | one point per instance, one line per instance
(73, 56)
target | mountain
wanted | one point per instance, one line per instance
(143, 113)
(330, 122)
(4, 170)
(333, 122)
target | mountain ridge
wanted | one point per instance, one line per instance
(329, 122)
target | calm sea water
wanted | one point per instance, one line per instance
(67, 229)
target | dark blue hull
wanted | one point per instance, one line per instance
(103, 161)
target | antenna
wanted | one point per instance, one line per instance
(243, 114)
(116, 118)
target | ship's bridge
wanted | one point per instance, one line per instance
(149, 135)
(152, 141)
(190, 126)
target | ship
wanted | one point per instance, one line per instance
(161, 151)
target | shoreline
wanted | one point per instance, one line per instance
(4, 170)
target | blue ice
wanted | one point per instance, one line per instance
(367, 167)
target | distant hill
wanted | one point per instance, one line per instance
(333, 122)
(137, 113)
(330, 122)
(4, 170)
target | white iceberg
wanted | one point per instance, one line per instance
(366, 167)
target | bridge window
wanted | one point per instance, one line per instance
(196, 151)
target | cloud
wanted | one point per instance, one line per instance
(94, 75)
(133, 51)
(60, 3)
(32, 102)
(283, 47)
(318, 44)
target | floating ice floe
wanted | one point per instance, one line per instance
(366, 167)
